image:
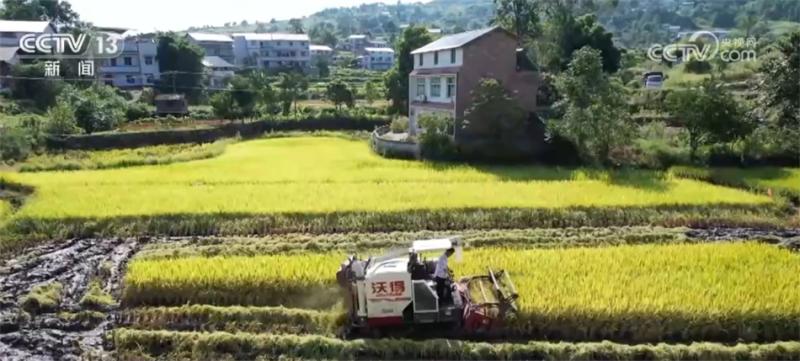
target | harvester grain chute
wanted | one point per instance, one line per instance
(398, 290)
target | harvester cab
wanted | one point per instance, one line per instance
(398, 289)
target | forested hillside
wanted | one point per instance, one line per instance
(633, 22)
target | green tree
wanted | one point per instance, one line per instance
(244, 96)
(339, 93)
(58, 11)
(495, 116)
(563, 34)
(595, 114)
(28, 85)
(709, 114)
(324, 33)
(518, 16)
(292, 86)
(371, 92)
(779, 91)
(61, 120)
(181, 64)
(223, 105)
(97, 108)
(396, 79)
(322, 66)
(297, 26)
(747, 21)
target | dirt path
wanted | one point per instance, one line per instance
(73, 264)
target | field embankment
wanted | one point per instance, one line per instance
(251, 346)
(329, 185)
(648, 293)
(781, 181)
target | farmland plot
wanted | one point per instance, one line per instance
(707, 292)
(329, 184)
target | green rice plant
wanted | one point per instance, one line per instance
(243, 346)
(121, 158)
(646, 293)
(43, 298)
(232, 319)
(5, 210)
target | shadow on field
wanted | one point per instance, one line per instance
(654, 181)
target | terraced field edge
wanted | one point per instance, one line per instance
(23, 231)
(194, 345)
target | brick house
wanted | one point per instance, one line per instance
(447, 70)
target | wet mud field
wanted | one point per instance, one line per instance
(75, 332)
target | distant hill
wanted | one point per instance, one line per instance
(635, 23)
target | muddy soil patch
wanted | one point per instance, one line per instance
(70, 332)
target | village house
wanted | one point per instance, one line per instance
(218, 72)
(272, 51)
(447, 70)
(136, 67)
(320, 51)
(10, 34)
(377, 58)
(219, 45)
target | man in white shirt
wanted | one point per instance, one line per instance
(442, 276)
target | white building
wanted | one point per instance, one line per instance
(219, 45)
(10, 34)
(272, 51)
(377, 58)
(136, 67)
(356, 43)
(219, 71)
(321, 51)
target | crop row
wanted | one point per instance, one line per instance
(5, 210)
(191, 345)
(232, 319)
(22, 230)
(649, 293)
(359, 242)
(783, 181)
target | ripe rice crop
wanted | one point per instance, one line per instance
(779, 180)
(233, 319)
(323, 175)
(713, 292)
(5, 210)
(221, 345)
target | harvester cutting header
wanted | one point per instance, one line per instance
(402, 289)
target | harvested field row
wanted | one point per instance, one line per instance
(233, 319)
(24, 231)
(711, 292)
(218, 345)
(360, 242)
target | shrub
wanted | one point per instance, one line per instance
(96, 298)
(138, 111)
(697, 66)
(61, 120)
(436, 141)
(97, 108)
(16, 143)
(399, 125)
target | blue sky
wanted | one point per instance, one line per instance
(149, 15)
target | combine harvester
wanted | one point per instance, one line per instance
(397, 292)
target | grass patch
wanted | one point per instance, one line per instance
(96, 298)
(219, 345)
(43, 298)
(5, 210)
(651, 293)
(121, 158)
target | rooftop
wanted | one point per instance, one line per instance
(320, 48)
(357, 36)
(216, 62)
(13, 26)
(379, 50)
(272, 36)
(455, 41)
(220, 38)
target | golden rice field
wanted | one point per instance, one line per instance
(5, 210)
(314, 174)
(724, 292)
(785, 180)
